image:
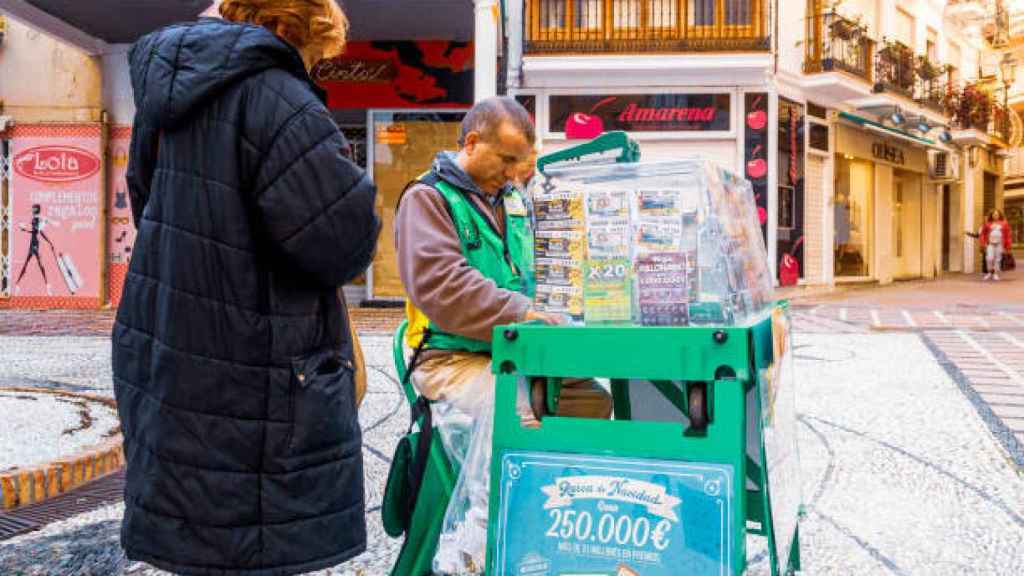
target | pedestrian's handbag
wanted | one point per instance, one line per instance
(359, 361)
(408, 466)
(1009, 262)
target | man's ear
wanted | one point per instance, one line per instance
(471, 140)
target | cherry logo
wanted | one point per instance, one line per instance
(757, 167)
(56, 164)
(584, 126)
(757, 118)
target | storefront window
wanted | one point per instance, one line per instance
(588, 13)
(854, 195)
(702, 12)
(627, 14)
(403, 147)
(1015, 216)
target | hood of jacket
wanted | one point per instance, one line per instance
(447, 168)
(177, 69)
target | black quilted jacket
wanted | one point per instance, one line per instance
(231, 354)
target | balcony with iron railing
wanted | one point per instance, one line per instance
(632, 26)
(934, 89)
(837, 43)
(978, 108)
(894, 69)
(999, 123)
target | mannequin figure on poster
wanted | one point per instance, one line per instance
(39, 222)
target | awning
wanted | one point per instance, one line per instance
(888, 130)
(105, 21)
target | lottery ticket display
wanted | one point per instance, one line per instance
(650, 243)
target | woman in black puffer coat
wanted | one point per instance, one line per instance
(231, 353)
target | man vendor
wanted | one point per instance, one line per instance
(463, 241)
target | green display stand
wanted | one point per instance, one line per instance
(557, 497)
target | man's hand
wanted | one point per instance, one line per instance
(534, 315)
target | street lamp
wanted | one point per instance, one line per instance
(1008, 70)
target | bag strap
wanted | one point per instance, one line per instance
(420, 409)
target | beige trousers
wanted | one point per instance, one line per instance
(465, 380)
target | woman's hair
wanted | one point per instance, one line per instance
(302, 23)
(992, 215)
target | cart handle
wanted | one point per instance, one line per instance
(615, 140)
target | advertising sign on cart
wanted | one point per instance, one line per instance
(56, 197)
(571, 514)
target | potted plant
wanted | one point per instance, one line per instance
(845, 29)
(975, 108)
(926, 70)
(900, 63)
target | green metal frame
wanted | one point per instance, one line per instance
(664, 356)
(416, 557)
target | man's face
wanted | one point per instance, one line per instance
(492, 161)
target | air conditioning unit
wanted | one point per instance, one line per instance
(943, 165)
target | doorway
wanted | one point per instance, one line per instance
(907, 212)
(945, 227)
(988, 203)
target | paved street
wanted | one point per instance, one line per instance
(909, 444)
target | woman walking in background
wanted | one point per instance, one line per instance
(996, 242)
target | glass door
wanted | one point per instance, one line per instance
(907, 218)
(853, 205)
(402, 146)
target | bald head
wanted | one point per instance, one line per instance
(487, 116)
(497, 138)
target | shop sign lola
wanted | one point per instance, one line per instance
(887, 152)
(56, 164)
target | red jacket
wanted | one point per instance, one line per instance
(987, 228)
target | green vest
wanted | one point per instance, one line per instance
(508, 262)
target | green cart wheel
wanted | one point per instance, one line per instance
(539, 398)
(698, 405)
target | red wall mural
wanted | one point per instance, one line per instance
(424, 74)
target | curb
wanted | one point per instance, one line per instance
(44, 481)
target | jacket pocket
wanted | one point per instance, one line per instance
(322, 402)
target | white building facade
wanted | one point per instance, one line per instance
(871, 141)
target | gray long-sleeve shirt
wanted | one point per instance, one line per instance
(437, 278)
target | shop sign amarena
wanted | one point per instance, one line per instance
(587, 116)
